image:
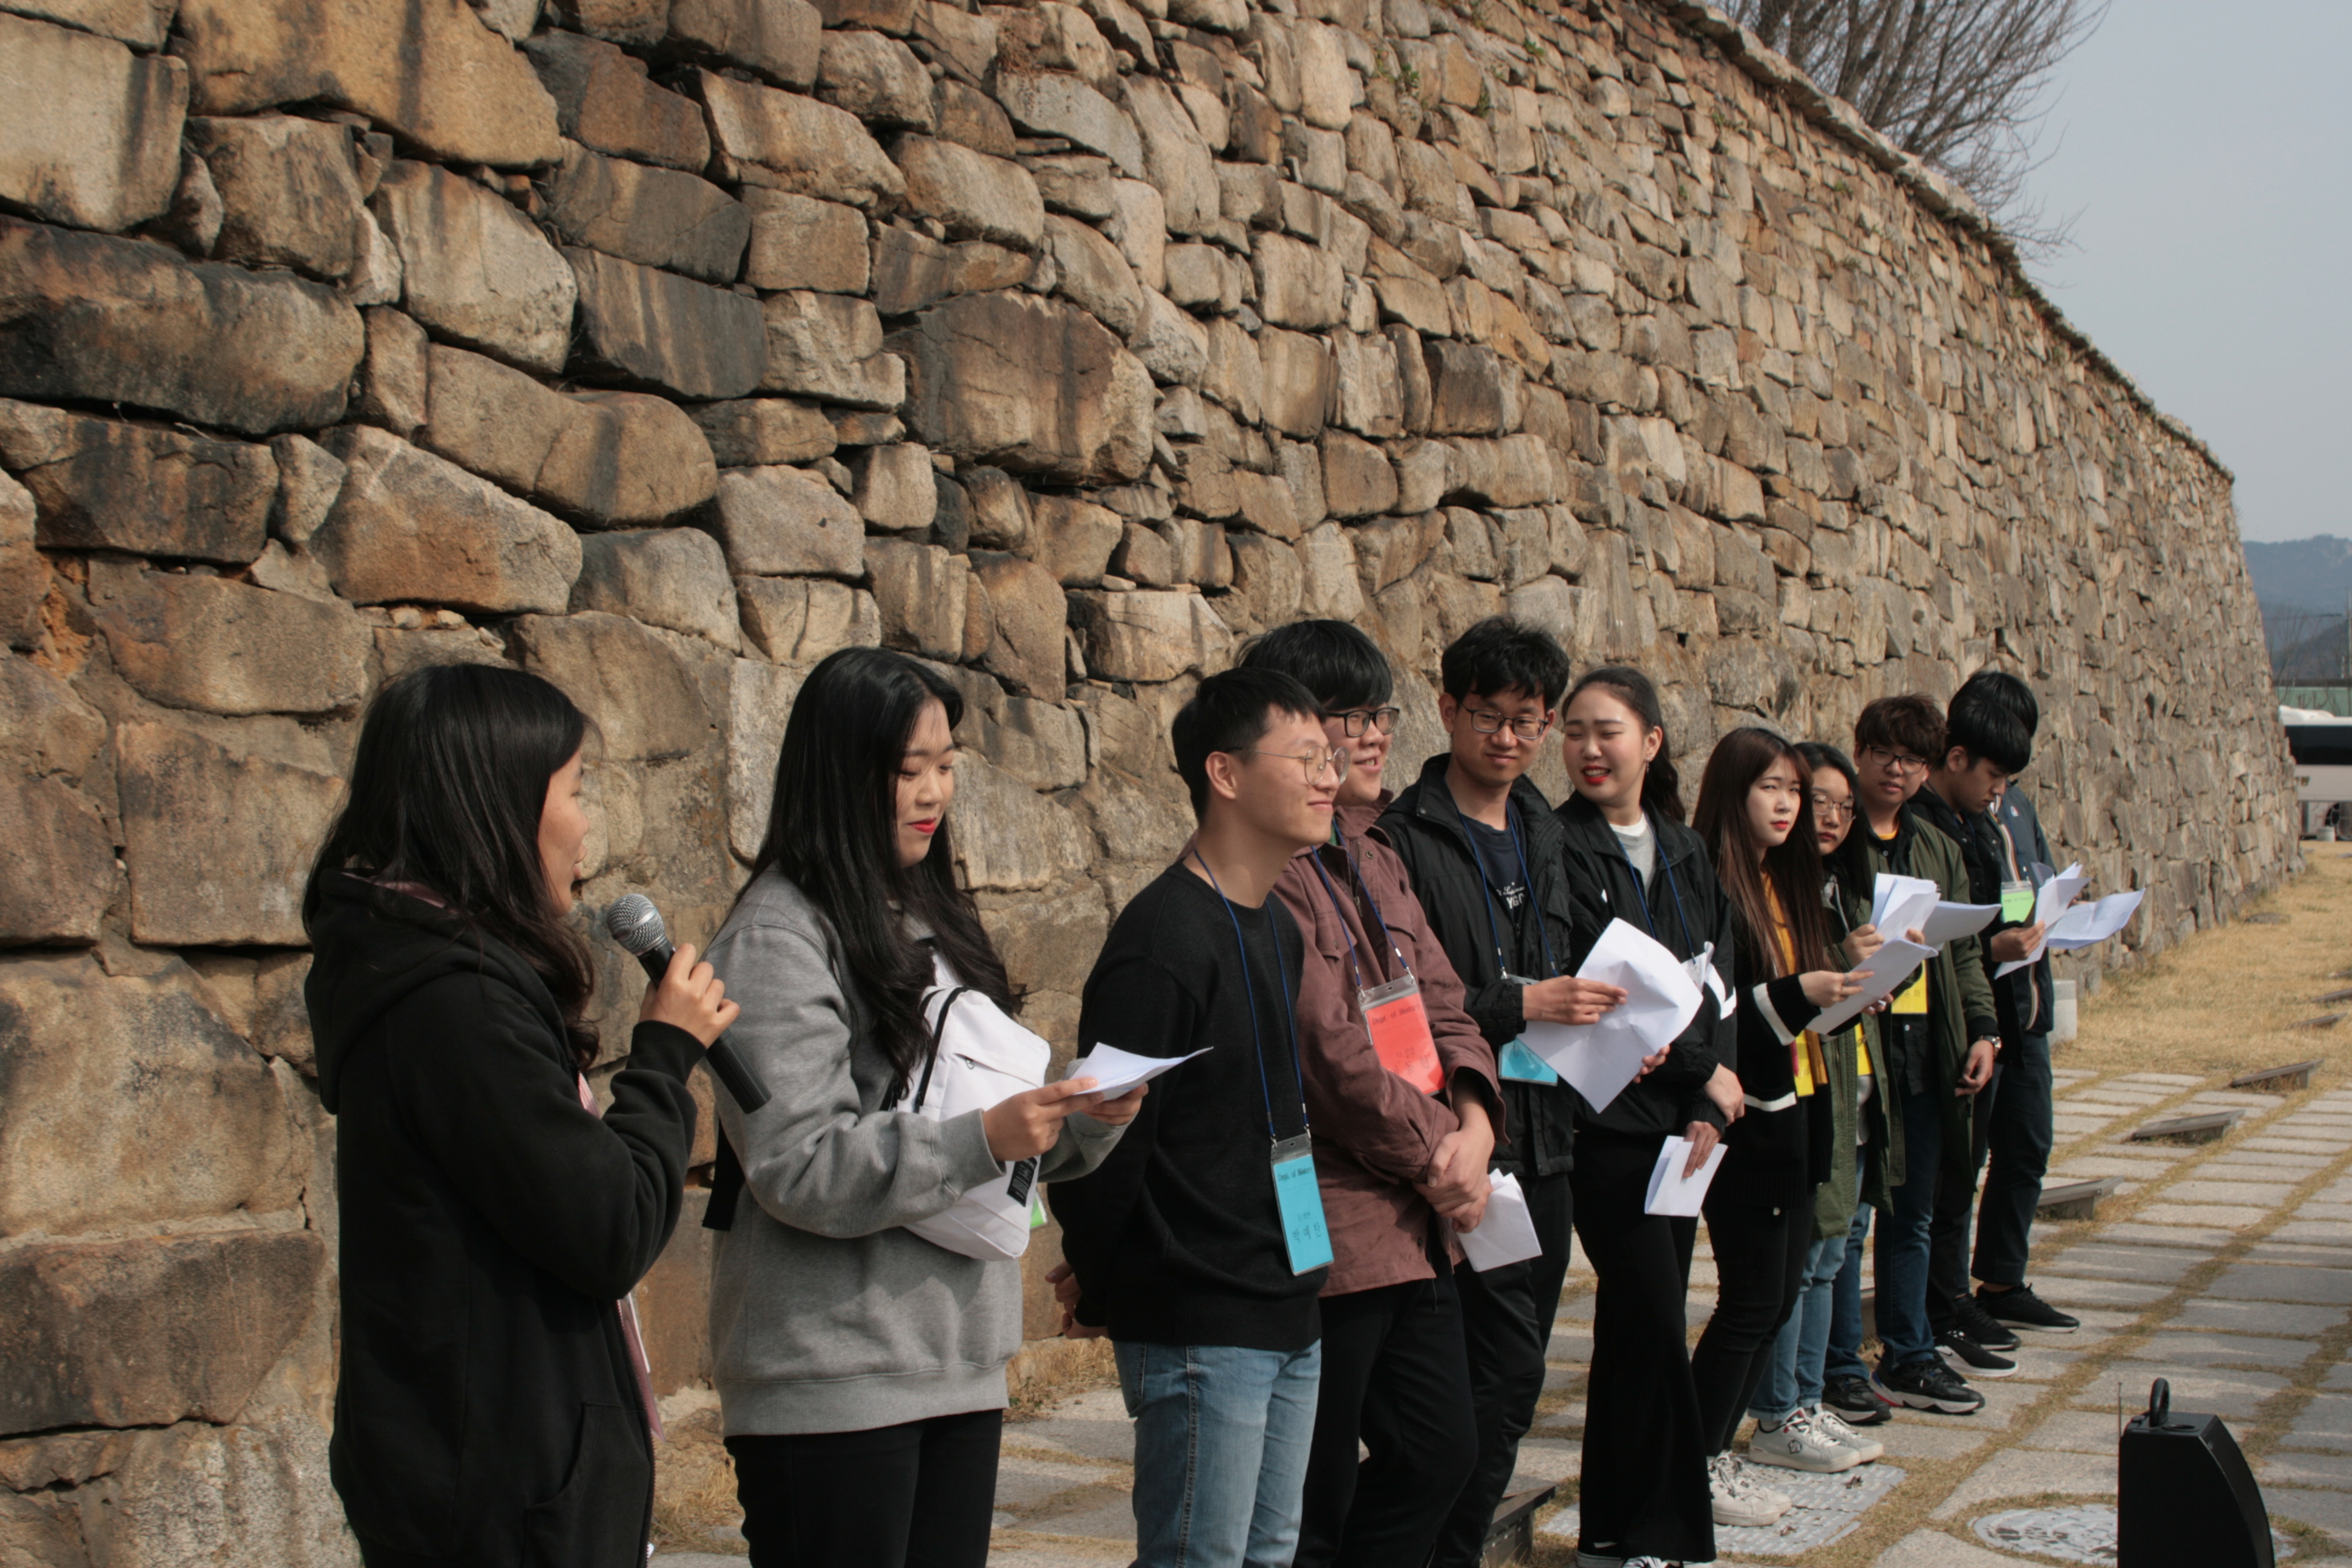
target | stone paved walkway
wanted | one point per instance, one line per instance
(2225, 1266)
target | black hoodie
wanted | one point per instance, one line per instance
(486, 1412)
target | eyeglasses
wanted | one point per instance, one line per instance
(1313, 765)
(1356, 720)
(1487, 722)
(1897, 761)
(1828, 810)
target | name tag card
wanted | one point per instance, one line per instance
(1300, 1201)
(1399, 1024)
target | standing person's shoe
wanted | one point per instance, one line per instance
(1855, 1403)
(1969, 1317)
(1798, 1444)
(1926, 1385)
(1826, 1421)
(1738, 1498)
(2020, 1308)
(1969, 1358)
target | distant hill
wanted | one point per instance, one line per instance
(2302, 574)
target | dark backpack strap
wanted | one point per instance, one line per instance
(726, 1187)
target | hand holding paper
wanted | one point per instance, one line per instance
(2048, 903)
(1882, 971)
(1671, 1190)
(1508, 1234)
(1600, 1059)
(1117, 1071)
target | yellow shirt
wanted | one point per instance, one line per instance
(1811, 1068)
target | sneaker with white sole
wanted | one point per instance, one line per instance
(2020, 1308)
(1970, 1359)
(1738, 1498)
(1827, 1422)
(1926, 1385)
(1799, 1444)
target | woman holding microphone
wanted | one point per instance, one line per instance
(860, 1366)
(492, 1406)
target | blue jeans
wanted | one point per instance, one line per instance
(1793, 1380)
(1906, 1234)
(1222, 1437)
(1844, 1357)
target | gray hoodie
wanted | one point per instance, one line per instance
(824, 1315)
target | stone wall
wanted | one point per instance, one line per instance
(662, 346)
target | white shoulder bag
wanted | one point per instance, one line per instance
(979, 1057)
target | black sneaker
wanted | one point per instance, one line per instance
(1856, 1405)
(1927, 1385)
(1969, 1317)
(2023, 1308)
(1960, 1348)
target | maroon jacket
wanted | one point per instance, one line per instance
(1375, 1134)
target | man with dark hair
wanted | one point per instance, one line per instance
(1199, 1243)
(1401, 1087)
(1988, 741)
(1488, 863)
(1935, 1052)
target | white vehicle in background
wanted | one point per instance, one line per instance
(2321, 743)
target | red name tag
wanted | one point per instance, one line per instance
(1399, 1025)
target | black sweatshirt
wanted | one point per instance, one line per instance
(486, 1412)
(1175, 1238)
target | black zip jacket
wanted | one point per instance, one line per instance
(1683, 911)
(1781, 1145)
(1425, 827)
(486, 1412)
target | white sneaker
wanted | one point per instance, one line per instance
(1867, 1447)
(1797, 1443)
(1738, 1498)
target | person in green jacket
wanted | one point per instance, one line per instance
(1935, 1046)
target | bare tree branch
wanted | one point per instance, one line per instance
(1960, 84)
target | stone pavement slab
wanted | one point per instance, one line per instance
(2328, 1511)
(2134, 1233)
(2263, 1282)
(2260, 1195)
(2075, 1431)
(2327, 1232)
(2325, 1423)
(2020, 1473)
(2232, 1394)
(2184, 1349)
(2069, 1292)
(2257, 1317)
(2288, 1469)
(2235, 1216)
(2300, 1252)
(2165, 1265)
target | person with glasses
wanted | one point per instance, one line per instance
(1488, 865)
(1936, 1040)
(1795, 1428)
(1646, 1493)
(1402, 1086)
(1199, 1244)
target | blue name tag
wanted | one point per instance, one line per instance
(1521, 1064)
(1300, 1201)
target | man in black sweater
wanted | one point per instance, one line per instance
(1198, 1243)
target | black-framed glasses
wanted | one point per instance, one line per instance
(1311, 763)
(1897, 761)
(1829, 810)
(1488, 721)
(1356, 720)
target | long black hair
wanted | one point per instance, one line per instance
(448, 785)
(1662, 784)
(1845, 864)
(1791, 868)
(833, 832)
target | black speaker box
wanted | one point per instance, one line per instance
(2186, 1497)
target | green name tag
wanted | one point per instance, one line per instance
(2016, 902)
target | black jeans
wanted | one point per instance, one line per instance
(920, 1495)
(1760, 1266)
(2017, 1135)
(1506, 1323)
(1642, 1491)
(1395, 1375)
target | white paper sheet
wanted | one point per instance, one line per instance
(2048, 903)
(1703, 974)
(1899, 904)
(1882, 973)
(1118, 1071)
(2086, 925)
(1671, 1191)
(1945, 922)
(1600, 1059)
(1508, 1233)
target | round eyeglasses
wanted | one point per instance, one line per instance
(1356, 720)
(1313, 765)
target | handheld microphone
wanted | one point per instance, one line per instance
(637, 925)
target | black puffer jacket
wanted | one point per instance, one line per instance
(486, 1411)
(1425, 827)
(1683, 911)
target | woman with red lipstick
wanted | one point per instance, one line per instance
(1756, 816)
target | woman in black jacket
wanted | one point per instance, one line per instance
(1643, 1493)
(1754, 815)
(493, 1405)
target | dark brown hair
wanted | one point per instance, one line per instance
(1911, 722)
(1793, 868)
(1662, 784)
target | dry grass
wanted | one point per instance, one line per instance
(694, 1486)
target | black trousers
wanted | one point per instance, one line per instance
(920, 1495)
(1956, 1201)
(1506, 1323)
(2019, 1137)
(1395, 1375)
(1642, 1491)
(1759, 1266)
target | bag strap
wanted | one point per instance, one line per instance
(938, 1031)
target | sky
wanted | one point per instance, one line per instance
(2205, 150)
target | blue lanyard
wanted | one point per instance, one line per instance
(1535, 906)
(1355, 960)
(1681, 916)
(1249, 988)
